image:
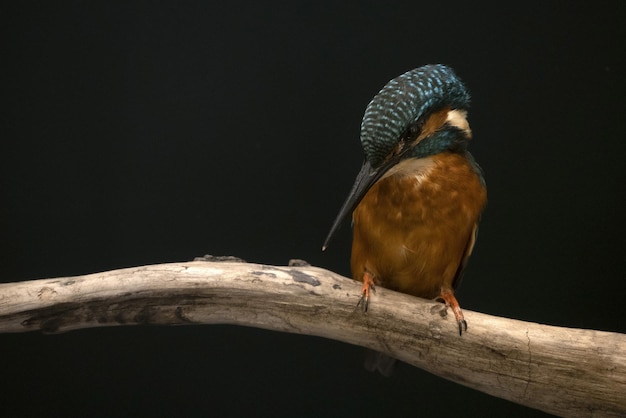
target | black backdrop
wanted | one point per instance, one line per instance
(139, 133)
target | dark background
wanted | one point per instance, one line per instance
(153, 132)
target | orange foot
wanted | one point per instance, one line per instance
(368, 286)
(448, 297)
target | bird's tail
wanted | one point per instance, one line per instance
(377, 361)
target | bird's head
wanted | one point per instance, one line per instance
(418, 114)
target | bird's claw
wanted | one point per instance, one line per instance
(447, 296)
(366, 289)
(364, 301)
(462, 324)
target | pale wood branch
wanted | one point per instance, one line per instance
(563, 371)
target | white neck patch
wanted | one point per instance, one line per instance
(458, 119)
(418, 167)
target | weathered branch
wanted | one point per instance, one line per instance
(564, 371)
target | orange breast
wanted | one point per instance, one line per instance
(415, 226)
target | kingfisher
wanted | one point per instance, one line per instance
(417, 201)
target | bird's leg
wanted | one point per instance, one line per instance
(448, 297)
(368, 286)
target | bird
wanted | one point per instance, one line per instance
(417, 201)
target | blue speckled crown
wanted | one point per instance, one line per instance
(403, 101)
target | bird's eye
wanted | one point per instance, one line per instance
(414, 130)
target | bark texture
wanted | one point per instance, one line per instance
(563, 371)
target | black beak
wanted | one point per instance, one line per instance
(364, 180)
